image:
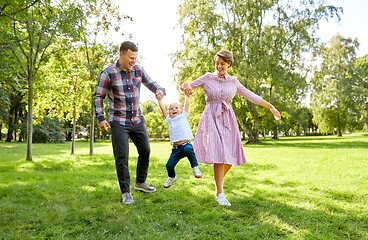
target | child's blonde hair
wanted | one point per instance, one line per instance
(168, 107)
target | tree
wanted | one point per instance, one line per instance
(34, 30)
(361, 67)
(155, 123)
(12, 91)
(336, 91)
(31, 29)
(297, 120)
(148, 106)
(268, 40)
(65, 91)
(101, 19)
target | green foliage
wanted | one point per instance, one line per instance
(268, 40)
(148, 107)
(297, 119)
(294, 188)
(336, 87)
(361, 68)
(64, 81)
(32, 31)
(155, 122)
(193, 120)
(12, 90)
(50, 130)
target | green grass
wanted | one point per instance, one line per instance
(294, 188)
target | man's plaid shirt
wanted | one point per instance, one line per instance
(123, 90)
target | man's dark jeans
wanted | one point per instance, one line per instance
(179, 153)
(120, 143)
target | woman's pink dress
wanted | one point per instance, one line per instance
(218, 139)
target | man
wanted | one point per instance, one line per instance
(122, 82)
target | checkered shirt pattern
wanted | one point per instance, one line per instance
(123, 91)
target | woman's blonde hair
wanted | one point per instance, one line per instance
(226, 56)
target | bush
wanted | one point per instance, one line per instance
(156, 125)
(50, 130)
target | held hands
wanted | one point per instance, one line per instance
(186, 88)
(104, 125)
(159, 95)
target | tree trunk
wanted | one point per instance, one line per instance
(68, 135)
(30, 117)
(276, 132)
(253, 137)
(15, 121)
(9, 135)
(252, 134)
(339, 133)
(73, 131)
(92, 130)
(21, 116)
(256, 123)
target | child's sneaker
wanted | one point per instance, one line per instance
(170, 181)
(197, 172)
(221, 199)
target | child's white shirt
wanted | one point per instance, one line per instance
(179, 128)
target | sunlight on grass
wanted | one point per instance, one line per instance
(89, 188)
(294, 188)
(8, 146)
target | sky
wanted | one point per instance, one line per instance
(154, 29)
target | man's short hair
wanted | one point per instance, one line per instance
(126, 45)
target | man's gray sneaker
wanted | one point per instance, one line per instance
(144, 187)
(127, 198)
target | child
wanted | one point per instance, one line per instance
(180, 137)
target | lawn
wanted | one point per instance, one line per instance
(293, 188)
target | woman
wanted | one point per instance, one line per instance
(217, 140)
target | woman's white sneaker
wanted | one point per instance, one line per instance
(170, 181)
(221, 199)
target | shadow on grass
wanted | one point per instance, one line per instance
(52, 205)
(313, 214)
(304, 223)
(17, 151)
(320, 142)
(79, 198)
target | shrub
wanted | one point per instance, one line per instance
(50, 130)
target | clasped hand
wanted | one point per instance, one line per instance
(186, 88)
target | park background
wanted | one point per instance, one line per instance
(306, 176)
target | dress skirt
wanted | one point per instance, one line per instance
(218, 139)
